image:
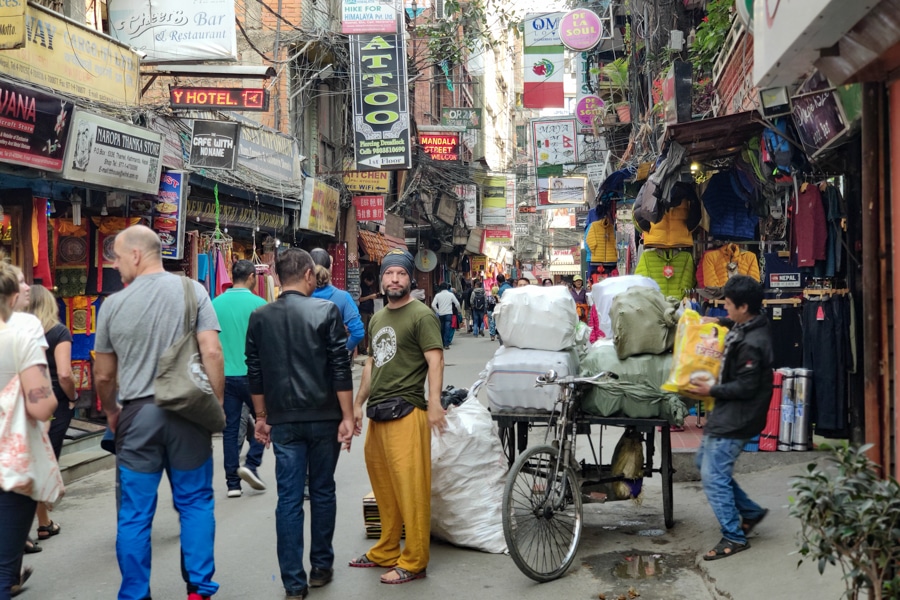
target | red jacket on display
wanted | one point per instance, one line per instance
(810, 232)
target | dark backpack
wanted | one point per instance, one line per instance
(491, 302)
(478, 302)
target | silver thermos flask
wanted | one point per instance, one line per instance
(785, 428)
(801, 396)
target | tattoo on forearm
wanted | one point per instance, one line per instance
(38, 394)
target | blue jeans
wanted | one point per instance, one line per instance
(150, 440)
(492, 327)
(715, 459)
(16, 516)
(477, 321)
(237, 394)
(447, 329)
(311, 447)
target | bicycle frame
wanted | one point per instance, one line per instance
(564, 440)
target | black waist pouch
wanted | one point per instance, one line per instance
(389, 410)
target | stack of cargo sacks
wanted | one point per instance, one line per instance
(538, 327)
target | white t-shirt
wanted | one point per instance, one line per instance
(31, 325)
(18, 351)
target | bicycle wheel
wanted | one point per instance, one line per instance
(542, 518)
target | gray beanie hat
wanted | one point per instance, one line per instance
(398, 258)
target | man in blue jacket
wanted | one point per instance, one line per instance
(302, 390)
(742, 398)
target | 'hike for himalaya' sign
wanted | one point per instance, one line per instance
(380, 102)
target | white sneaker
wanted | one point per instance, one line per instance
(234, 493)
(251, 478)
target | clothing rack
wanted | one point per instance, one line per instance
(818, 294)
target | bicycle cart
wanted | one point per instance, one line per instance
(545, 487)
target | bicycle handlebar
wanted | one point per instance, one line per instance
(551, 378)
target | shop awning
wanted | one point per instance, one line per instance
(719, 137)
(376, 244)
(565, 269)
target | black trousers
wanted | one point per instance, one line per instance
(16, 516)
(825, 351)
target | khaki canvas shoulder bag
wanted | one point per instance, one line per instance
(181, 384)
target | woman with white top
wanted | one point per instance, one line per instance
(20, 355)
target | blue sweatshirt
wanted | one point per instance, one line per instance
(349, 312)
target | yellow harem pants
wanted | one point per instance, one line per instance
(398, 459)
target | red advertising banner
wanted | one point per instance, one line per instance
(440, 146)
(369, 208)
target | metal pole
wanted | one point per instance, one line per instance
(275, 52)
(871, 301)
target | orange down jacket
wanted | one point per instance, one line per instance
(714, 266)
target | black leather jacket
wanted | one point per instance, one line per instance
(742, 399)
(297, 357)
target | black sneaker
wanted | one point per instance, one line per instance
(299, 596)
(319, 577)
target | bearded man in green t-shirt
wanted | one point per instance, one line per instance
(405, 347)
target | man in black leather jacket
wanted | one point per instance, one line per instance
(742, 399)
(302, 389)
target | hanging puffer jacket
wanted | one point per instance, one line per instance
(600, 238)
(673, 270)
(731, 216)
(674, 230)
(719, 265)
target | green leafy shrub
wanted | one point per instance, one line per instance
(851, 517)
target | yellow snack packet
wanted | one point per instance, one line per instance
(697, 355)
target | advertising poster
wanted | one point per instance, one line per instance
(12, 24)
(113, 154)
(214, 144)
(34, 127)
(567, 190)
(368, 181)
(74, 59)
(470, 118)
(555, 142)
(380, 102)
(562, 218)
(468, 195)
(170, 212)
(542, 29)
(368, 16)
(176, 30)
(321, 204)
(369, 208)
(493, 200)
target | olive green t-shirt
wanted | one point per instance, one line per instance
(399, 338)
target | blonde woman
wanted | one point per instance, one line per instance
(59, 360)
(20, 355)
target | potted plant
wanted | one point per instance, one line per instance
(851, 517)
(614, 78)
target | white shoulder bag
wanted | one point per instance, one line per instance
(27, 463)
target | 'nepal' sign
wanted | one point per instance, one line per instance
(380, 102)
(440, 146)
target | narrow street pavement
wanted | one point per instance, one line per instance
(624, 545)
